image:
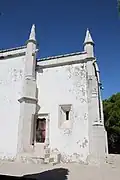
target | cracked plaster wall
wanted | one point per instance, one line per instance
(11, 74)
(66, 85)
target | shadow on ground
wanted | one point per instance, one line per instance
(54, 174)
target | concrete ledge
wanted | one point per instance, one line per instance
(28, 100)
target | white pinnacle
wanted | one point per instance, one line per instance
(88, 38)
(32, 33)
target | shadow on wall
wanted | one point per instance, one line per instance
(54, 174)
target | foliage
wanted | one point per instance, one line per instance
(111, 107)
(118, 6)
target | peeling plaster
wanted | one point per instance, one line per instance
(12, 75)
(73, 158)
(83, 144)
(78, 74)
(85, 116)
(68, 132)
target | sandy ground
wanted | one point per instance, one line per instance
(75, 171)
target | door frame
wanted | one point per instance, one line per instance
(41, 146)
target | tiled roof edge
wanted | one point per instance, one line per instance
(60, 56)
(12, 49)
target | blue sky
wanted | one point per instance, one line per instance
(61, 26)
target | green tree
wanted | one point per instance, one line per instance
(111, 107)
(118, 6)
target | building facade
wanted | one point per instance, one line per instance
(51, 108)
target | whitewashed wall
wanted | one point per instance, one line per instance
(65, 85)
(11, 73)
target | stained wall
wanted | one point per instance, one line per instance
(11, 75)
(63, 85)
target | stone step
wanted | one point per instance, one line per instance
(30, 158)
(49, 158)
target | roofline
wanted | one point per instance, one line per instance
(42, 59)
(12, 49)
(61, 56)
(67, 59)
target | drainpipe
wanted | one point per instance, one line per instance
(97, 73)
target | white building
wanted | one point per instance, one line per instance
(51, 106)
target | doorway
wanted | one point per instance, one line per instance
(41, 134)
(40, 130)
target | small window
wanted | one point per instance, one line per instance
(64, 114)
(67, 115)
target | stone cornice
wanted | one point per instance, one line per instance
(14, 52)
(12, 49)
(61, 56)
(28, 100)
(63, 60)
(31, 40)
(12, 56)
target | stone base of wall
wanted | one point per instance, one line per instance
(29, 158)
(53, 158)
(111, 159)
(7, 158)
(95, 160)
(49, 158)
(56, 158)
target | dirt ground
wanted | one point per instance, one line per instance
(62, 171)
